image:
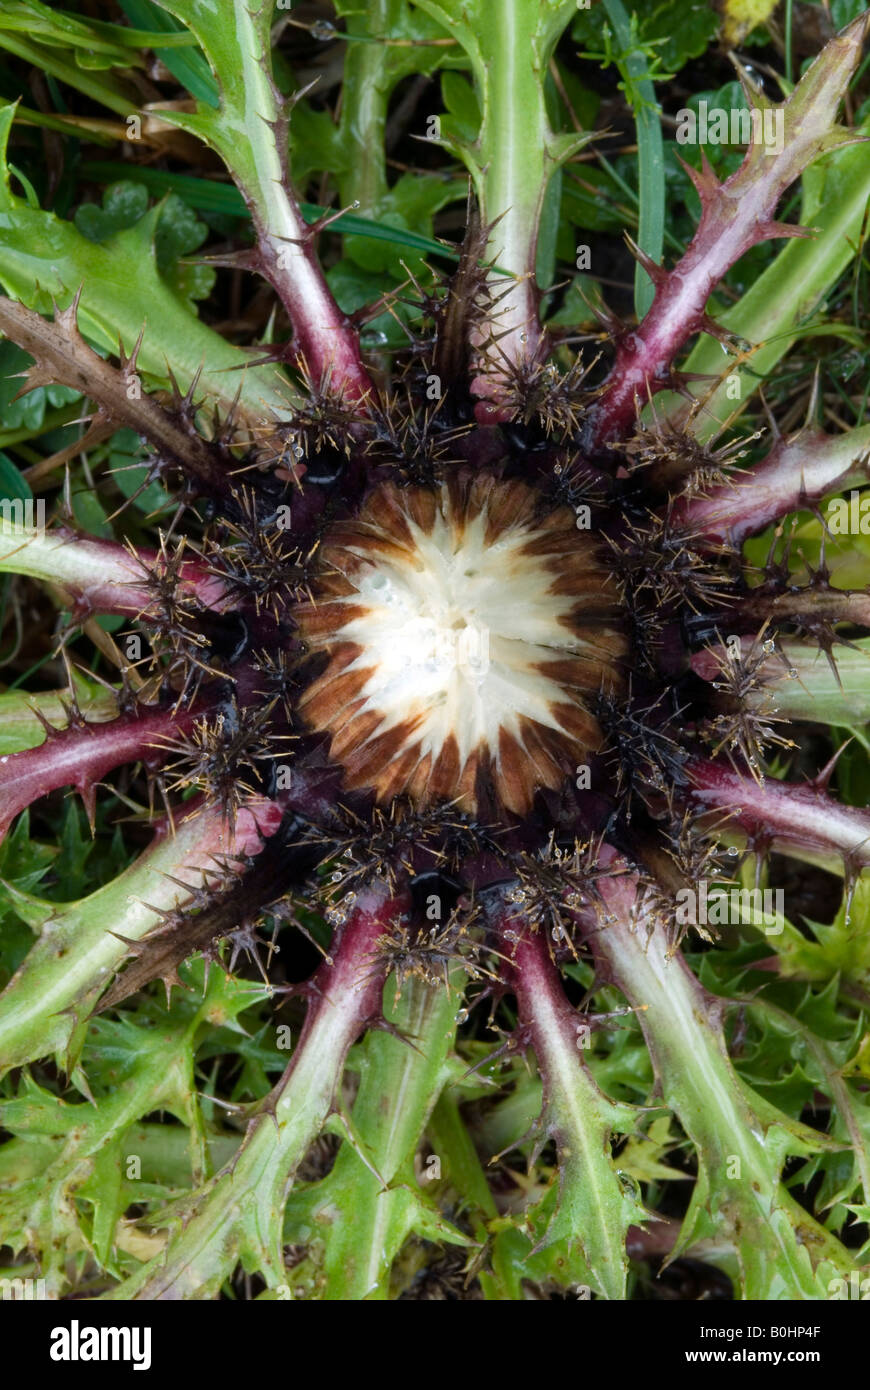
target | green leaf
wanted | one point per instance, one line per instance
(463, 104)
(741, 1140)
(43, 1010)
(28, 412)
(844, 11)
(208, 196)
(387, 43)
(91, 515)
(70, 1199)
(371, 1202)
(129, 473)
(42, 257)
(179, 232)
(516, 1256)
(191, 69)
(575, 310)
(651, 188)
(593, 201)
(680, 30)
(124, 204)
(105, 88)
(12, 485)
(21, 728)
(93, 46)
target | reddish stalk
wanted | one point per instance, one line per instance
(735, 216)
(796, 473)
(101, 576)
(80, 756)
(786, 816)
(544, 1011)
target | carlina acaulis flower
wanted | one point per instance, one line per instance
(468, 630)
(452, 676)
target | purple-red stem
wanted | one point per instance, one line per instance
(101, 576)
(782, 813)
(323, 337)
(80, 757)
(797, 472)
(354, 970)
(537, 985)
(735, 216)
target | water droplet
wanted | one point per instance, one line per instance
(732, 851)
(769, 646)
(356, 203)
(792, 675)
(322, 30)
(462, 1016)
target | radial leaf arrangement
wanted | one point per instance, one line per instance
(455, 697)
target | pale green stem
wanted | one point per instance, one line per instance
(741, 1145)
(238, 1214)
(45, 1007)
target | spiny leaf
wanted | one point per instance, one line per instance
(43, 257)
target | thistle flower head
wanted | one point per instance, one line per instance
(466, 631)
